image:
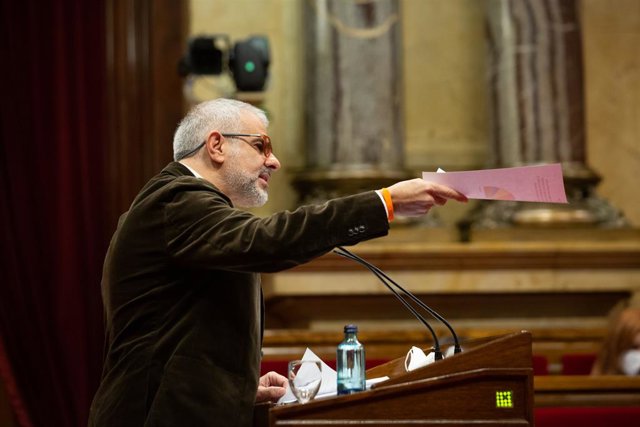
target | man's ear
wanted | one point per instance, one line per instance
(214, 147)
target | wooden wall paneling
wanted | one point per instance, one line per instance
(145, 40)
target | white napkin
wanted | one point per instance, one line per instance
(329, 384)
(417, 359)
(450, 351)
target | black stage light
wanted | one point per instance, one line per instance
(249, 63)
(205, 55)
(248, 60)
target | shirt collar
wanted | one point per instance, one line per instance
(196, 174)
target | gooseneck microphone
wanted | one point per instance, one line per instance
(381, 276)
(387, 281)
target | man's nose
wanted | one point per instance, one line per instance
(272, 162)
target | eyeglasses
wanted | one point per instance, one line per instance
(263, 147)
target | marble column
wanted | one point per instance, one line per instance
(536, 82)
(538, 110)
(353, 106)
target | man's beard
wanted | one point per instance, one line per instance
(248, 193)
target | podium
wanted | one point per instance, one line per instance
(490, 384)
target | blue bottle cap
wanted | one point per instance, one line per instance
(350, 329)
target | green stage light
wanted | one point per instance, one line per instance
(249, 66)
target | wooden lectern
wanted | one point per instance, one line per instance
(490, 384)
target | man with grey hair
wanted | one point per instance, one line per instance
(181, 283)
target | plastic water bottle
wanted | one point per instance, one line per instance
(350, 362)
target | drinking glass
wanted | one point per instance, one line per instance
(305, 377)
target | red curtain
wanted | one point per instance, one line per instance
(52, 185)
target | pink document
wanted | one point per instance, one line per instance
(541, 183)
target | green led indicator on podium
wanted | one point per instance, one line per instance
(504, 399)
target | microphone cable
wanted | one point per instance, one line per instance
(381, 276)
(379, 272)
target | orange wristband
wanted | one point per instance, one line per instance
(388, 202)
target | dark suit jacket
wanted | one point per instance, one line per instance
(182, 297)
